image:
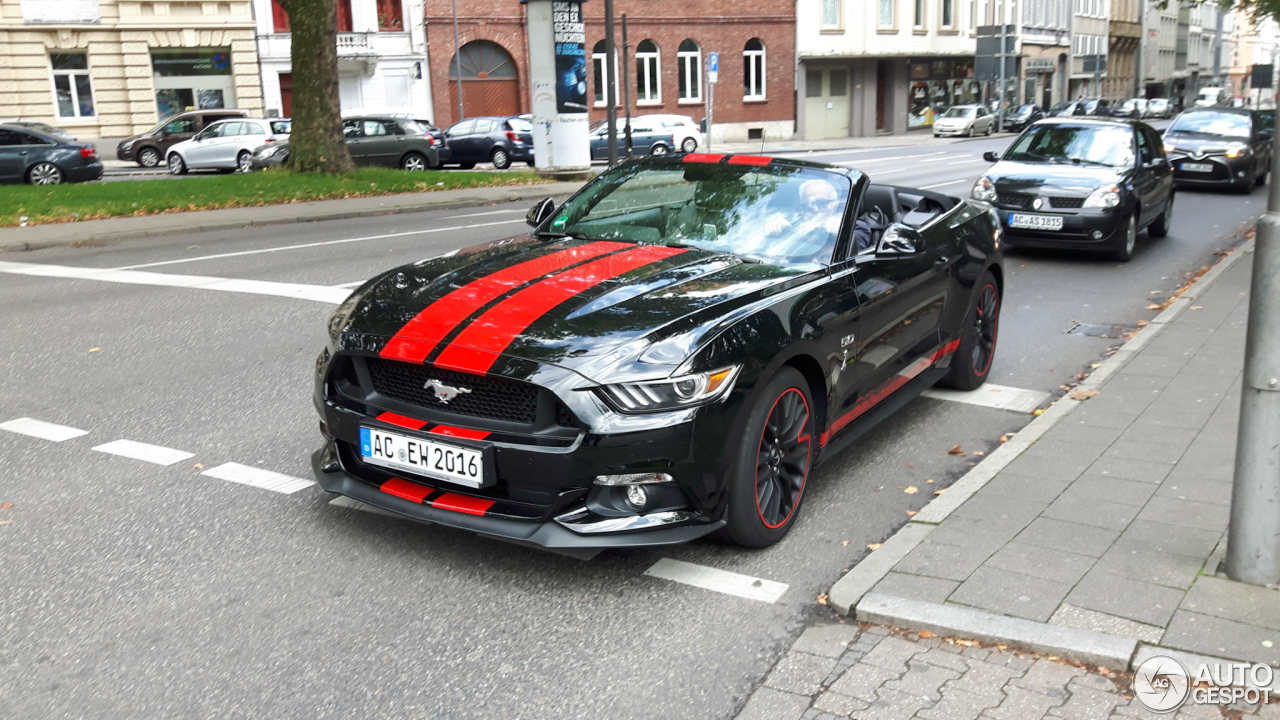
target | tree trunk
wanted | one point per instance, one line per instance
(316, 143)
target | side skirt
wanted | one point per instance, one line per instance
(889, 406)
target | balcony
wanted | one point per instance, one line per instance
(356, 45)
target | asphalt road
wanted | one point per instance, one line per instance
(136, 590)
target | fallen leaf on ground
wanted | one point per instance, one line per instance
(1095, 366)
(197, 466)
(939, 492)
(911, 490)
(874, 546)
(1082, 394)
(1154, 292)
(1153, 307)
(1196, 307)
(1143, 323)
(912, 513)
(822, 599)
(929, 481)
(1037, 411)
(910, 465)
(956, 451)
(1004, 438)
(94, 349)
(5, 506)
(926, 634)
(1002, 647)
(978, 453)
(844, 543)
(5, 522)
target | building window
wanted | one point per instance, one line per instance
(344, 16)
(832, 17)
(648, 80)
(948, 13)
(888, 13)
(753, 70)
(599, 55)
(689, 57)
(390, 18)
(71, 87)
(280, 16)
(919, 19)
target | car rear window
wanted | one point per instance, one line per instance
(520, 125)
(281, 127)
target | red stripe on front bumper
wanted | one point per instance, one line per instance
(462, 504)
(407, 490)
(458, 432)
(477, 347)
(440, 317)
(402, 421)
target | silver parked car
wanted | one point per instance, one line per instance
(968, 120)
(1159, 108)
(226, 145)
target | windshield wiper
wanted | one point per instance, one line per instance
(744, 258)
(1082, 161)
(574, 235)
(1033, 156)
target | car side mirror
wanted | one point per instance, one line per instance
(1265, 135)
(899, 240)
(539, 213)
(991, 156)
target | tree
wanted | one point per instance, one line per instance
(316, 143)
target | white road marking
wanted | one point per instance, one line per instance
(317, 293)
(723, 581)
(41, 429)
(953, 182)
(1000, 397)
(343, 501)
(965, 162)
(142, 451)
(259, 478)
(322, 243)
(351, 285)
(901, 158)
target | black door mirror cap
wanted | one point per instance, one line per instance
(539, 213)
(899, 240)
(991, 156)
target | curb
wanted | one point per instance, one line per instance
(851, 593)
(284, 214)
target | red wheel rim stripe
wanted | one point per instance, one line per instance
(439, 318)
(478, 346)
(995, 331)
(803, 438)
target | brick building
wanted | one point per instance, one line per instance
(665, 61)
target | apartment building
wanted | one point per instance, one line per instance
(1125, 31)
(1160, 57)
(1045, 32)
(1253, 43)
(1090, 31)
(112, 68)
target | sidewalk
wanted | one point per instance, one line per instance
(37, 236)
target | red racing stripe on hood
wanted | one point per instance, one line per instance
(477, 347)
(418, 337)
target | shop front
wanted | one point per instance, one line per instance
(192, 79)
(936, 84)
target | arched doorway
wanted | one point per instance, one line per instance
(490, 82)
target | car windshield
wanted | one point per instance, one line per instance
(777, 215)
(1266, 119)
(1025, 110)
(1235, 125)
(959, 112)
(1090, 144)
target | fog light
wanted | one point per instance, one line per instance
(1097, 234)
(633, 479)
(637, 495)
(1240, 174)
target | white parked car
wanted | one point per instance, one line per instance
(968, 120)
(226, 145)
(683, 129)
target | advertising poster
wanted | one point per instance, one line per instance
(570, 36)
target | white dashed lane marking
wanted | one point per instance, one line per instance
(41, 429)
(722, 581)
(259, 478)
(144, 452)
(953, 182)
(1001, 397)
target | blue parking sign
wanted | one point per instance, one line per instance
(713, 62)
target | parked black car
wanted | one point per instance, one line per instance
(150, 148)
(33, 157)
(665, 356)
(499, 140)
(1223, 147)
(1020, 118)
(1089, 184)
(377, 141)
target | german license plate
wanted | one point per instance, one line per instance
(1196, 167)
(423, 457)
(1035, 222)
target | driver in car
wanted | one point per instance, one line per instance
(816, 217)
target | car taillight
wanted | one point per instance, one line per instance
(270, 140)
(512, 136)
(88, 152)
(431, 140)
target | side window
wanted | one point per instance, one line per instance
(213, 131)
(28, 139)
(280, 127)
(1144, 148)
(391, 127)
(232, 129)
(463, 128)
(183, 125)
(373, 128)
(1157, 143)
(351, 129)
(9, 137)
(484, 127)
(251, 128)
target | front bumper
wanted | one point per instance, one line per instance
(124, 151)
(270, 161)
(1226, 171)
(951, 131)
(1078, 228)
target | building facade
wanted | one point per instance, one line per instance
(663, 63)
(113, 68)
(1159, 49)
(1125, 32)
(1090, 33)
(1252, 43)
(382, 56)
(1045, 32)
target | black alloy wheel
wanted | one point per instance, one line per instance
(148, 157)
(972, 362)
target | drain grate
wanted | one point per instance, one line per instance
(1103, 331)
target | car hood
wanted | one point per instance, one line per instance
(953, 121)
(1196, 142)
(1048, 178)
(663, 304)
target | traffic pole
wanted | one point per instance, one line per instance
(1253, 537)
(611, 93)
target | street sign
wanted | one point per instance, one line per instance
(1261, 76)
(713, 67)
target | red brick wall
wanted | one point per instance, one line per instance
(722, 26)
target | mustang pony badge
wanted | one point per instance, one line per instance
(443, 392)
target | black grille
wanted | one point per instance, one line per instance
(565, 417)
(490, 397)
(1017, 200)
(1059, 202)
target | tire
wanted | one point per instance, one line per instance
(990, 128)
(501, 158)
(244, 162)
(413, 162)
(969, 133)
(44, 173)
(531, 163)
(1160, 226)
(148, 157)
(688, 145)
(971, 364)
(176, 165)
(659, 149)
(1261, 179)
(776, 449)
(1124, 253)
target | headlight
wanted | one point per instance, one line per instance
(1104, 197)
(1170, 148)
(672, 393)
(267, 151)
(984, 190)
(1235, 151)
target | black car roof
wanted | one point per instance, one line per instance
(1090, 120)
(56, 139)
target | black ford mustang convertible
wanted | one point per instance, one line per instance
(667, 355)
